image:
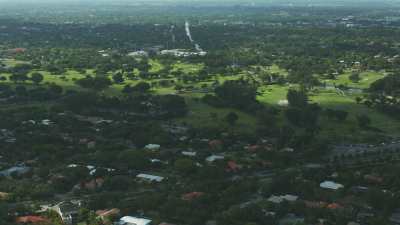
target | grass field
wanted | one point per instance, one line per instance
(12, 62)
(202, 115)
(366, 78)
(187, 68)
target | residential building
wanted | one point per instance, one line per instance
(331, 185)
(150, 178)
(130, 220)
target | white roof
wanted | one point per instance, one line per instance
(152, 146)
(290, 198)
(275, 199)
(331, 185)
(150, 177)
(279, 199)
(90, 167)
(187, 153)
(212, 158)
(155, 160)
(138, 53)
(283, 102)
(134, 220)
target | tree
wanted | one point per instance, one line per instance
(363, 121)
(355, 77)
(231, 118)
(142, 87)
(55, 89)
(118, 78)
(21, 90)
(297, 98)
(358, 99)
(185, 166)
(238, 94)
(16, 77)
(36, 78)
(134, 159)
(341, 115)
(173, 105)
(95, 83)
(128, 89)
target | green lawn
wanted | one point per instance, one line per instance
(155, 66)
(187, 68)
(201, 114)
(333, 129)
(366, 79)
(12, 62)
(272, 94)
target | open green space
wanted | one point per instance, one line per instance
(203, 115)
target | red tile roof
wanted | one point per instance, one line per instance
(215, 143)
(334, 206)
(107, 212)
(232, 166)
(31, 219)
(192, 195)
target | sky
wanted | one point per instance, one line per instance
(199, 1)
(350, 3)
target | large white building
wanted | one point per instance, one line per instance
(331, 185)
(150, 178)
(130, 220)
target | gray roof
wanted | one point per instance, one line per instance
(68, 208)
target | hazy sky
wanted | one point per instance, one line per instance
(350, 3)
(199, 1)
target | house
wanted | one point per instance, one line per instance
(287, 149)
(215, 144)
(192, 195)
(155, 161)
(359, 189)
(152, 147)
(107, 213)
(46, 122)
(190, 154)
(4, 195)
(373, 179)
(18, 170)
(92, 184)
(279, 199)
(315, 205)
(139, 53)
(334, 206)
(331, 185)
(130, 220)
(16, 50)
(233, 166)
(214, 158)
(150, 178)
(31, 219)
(253, 148)
(68, 211)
